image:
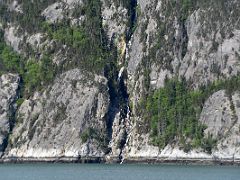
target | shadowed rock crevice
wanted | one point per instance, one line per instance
(10, 90)
(119, 100)
(132, 10)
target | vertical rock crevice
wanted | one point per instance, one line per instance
(12, 118)
(119, 110)
(132, 9)
(10, 90)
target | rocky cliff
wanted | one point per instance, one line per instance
(120, 80)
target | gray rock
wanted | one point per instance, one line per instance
(14, 6)
(217, 114)
(52, 123)
(54, 12)
(114, 19)
(12, 39)
(221, 115)
(213, 56)
(59, 10)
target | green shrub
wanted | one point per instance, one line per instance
(19, 102)
(32, 77)
(85, 136)
(209, 143)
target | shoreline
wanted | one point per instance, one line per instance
(185, 161)
(52, 160)
(114, 160)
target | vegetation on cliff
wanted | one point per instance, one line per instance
(173, 113)
(86, 47)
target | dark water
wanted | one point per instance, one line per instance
(116, 172)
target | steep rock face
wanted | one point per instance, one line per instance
(84, 114)
(143, 39)
(200, 49)
(221, 115)
(203, 48)
(114, 18)
(8, 94)
(213, 45)
(217, 114)
(51, 123)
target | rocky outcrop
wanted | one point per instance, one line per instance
(57, 11)
(57, 122)
(53, 13)
(8, 94)
(221, 115)
(213, 54)
(12, 38)
(115, 19)
(217, 114)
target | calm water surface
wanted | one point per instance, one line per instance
(116, 172)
